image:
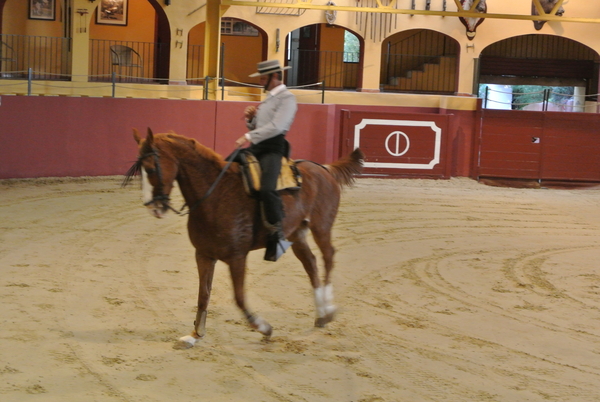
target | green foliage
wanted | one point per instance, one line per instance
(524, 95)
(351, 47)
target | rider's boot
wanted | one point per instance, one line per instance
(276, 243)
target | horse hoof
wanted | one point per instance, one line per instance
(185, 342)
(261, 326)
(266, 330)
(320, 322)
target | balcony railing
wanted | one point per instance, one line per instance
(47, 56)
(130, 61)
(195, 64)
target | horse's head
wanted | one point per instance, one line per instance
(159, 170)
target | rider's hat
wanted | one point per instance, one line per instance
(268, 67)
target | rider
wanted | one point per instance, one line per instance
(268, 125)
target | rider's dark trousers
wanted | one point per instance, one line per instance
(269, 153)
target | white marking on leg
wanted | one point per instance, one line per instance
(328, 299)
(261, 325)
(320, 302)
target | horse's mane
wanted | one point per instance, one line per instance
(203, 151)
(343, 170)
(170, 137)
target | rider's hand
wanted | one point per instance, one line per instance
(240, 142)
(250, 112)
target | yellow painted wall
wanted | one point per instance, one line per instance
(186, 14)
(140, 24)
(331, 65)
(332, 38)
(16, 20)
(242, 53)
(490, 31)
(196, 35)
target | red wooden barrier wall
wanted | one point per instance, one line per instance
(508, 147)
(540, 145)
(70, 136)
(401, 145)
(62, 136)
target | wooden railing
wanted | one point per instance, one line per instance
(46, 57)
(130, 61)
(195, 65)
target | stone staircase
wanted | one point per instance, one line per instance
(434, 76)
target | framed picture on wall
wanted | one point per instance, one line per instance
(112, 12)
(42, 10)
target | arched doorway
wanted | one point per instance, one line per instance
(243, 46)
(135, 50)
(163, 42)
(419, 60)
(321, 53)
(544, 60)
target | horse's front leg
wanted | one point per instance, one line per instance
(206, 270)
(237, 268)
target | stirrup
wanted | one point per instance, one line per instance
(275, 249)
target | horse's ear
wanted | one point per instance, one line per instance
(136, 135)
(150, 137)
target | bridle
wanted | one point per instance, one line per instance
(163, 198)
(160, 195)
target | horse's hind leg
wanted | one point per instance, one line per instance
(323, 294)
(237, 268)
(206, 270)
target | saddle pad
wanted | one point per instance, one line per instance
(289, 176)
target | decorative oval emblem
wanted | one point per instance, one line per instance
(392, 143)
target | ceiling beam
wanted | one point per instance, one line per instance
(389, 9)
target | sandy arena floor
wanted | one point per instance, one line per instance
(448, 291)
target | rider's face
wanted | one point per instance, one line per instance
(267, 83)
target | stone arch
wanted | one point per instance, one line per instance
(538, 59)
(419, 60)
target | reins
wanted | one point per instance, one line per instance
(164, 199)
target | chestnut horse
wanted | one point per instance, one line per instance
(224, 223)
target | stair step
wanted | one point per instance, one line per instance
(427, 78)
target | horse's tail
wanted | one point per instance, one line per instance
(345, 169)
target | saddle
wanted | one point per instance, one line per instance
(289, 176)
